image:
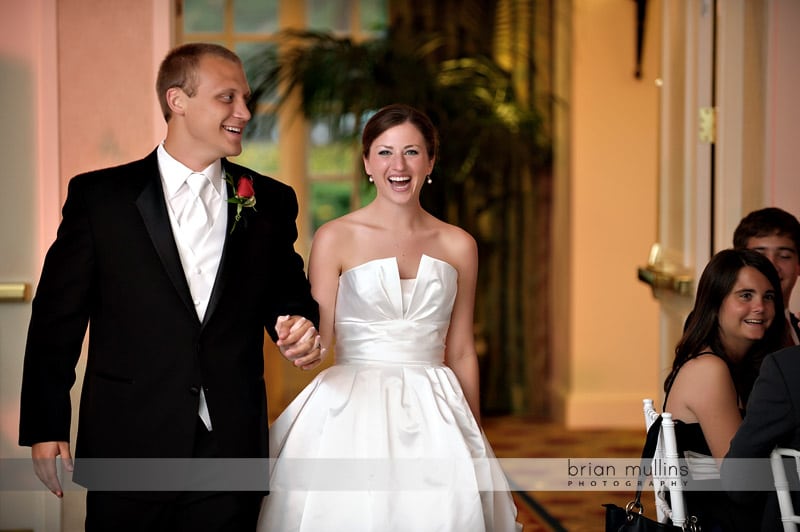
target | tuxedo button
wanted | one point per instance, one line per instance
(195, 390)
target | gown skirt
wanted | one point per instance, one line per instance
(384, 439)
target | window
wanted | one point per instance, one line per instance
(247, 26)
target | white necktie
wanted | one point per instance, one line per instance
(195, 223)
(194, 219)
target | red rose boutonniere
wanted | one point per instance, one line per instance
(244, 195)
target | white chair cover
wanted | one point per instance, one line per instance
(789, 519)
(666, 470)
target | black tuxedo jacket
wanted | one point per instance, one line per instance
(772, 419)
(114, 266)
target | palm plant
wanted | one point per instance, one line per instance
(492, 155)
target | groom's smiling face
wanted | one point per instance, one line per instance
(213, 117)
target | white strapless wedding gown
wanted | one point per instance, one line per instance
(384, 440)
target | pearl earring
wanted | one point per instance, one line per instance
(369, 177)
(428, 179)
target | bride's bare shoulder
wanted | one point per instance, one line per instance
(340, 233)
(456, 241)
(344, 226)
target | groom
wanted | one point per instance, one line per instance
(177, 284)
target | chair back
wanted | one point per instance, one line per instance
(666, 469)
(789, 519)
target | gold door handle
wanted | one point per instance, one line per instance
(14, 292)
(661, 280)
(661, 275)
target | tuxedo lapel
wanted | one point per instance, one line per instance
(153, 208)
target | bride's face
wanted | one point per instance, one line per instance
(398, 162)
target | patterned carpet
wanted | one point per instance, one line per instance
(557, 511)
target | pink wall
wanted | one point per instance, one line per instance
(83, 98)
(29, 212)
(783, 113)
(107, 82)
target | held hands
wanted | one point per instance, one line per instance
(299, 342)
(44, 463)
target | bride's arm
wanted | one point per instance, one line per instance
(460, 353)
(324, 268)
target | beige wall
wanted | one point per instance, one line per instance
(606, 336)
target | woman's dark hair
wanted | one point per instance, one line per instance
(394, 115)
(702, 325)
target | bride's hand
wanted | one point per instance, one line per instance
(299, 342)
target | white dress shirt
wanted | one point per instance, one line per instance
(200, 265)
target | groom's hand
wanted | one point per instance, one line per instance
(299, 342)
(44, 463)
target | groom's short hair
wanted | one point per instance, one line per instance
(179, 66)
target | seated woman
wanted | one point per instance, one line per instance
(729, 331)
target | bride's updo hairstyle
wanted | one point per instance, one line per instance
(394, 115)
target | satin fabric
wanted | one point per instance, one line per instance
(384, 440)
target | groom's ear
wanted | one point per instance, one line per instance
(176, 100)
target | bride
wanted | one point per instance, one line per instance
(389, 437)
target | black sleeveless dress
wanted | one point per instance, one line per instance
(715, 511)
